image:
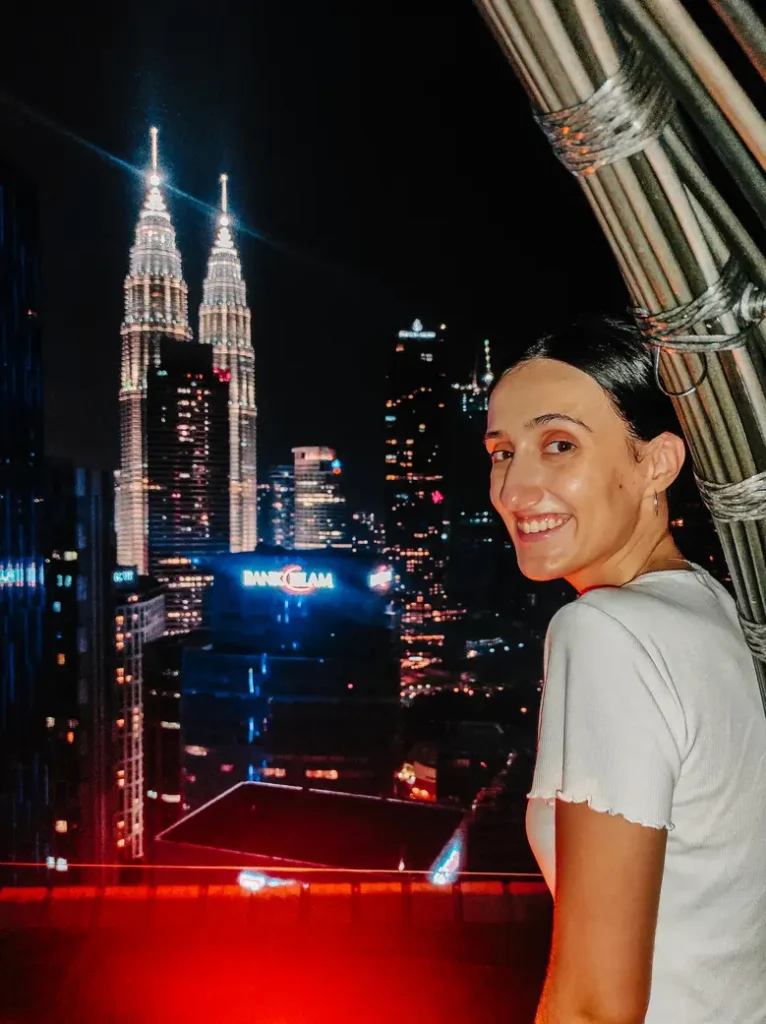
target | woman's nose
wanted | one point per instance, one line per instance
(517, 494)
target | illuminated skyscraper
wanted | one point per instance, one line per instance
(224, 323)
(477, 535)
(156, 306)
(416, 522)
(139, 618)
(320, 520)
(187, 460)
(281, 533)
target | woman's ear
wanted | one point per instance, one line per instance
(667, 455)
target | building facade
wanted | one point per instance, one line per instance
(80, 555)
(187, 466)
(477, 535)
(139, 618)
(156, 307)
(416, 517)
(299, 679)
(320, 506)
(224, 323)
(24, 790)
(281, 533)
(366, 533)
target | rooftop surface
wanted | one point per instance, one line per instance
(399, 952)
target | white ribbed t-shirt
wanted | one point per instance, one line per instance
(651, 710)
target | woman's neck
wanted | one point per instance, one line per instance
(661, 555)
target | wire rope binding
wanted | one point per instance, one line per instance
(626, 113)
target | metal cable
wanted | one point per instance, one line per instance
(731, 293)
(755, 635)
(619, 119)
(740, 502)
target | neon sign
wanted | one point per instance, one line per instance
(417, 332)
(124, 576)
(293, 579)
(381, 579)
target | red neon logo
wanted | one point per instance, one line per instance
(292, 580)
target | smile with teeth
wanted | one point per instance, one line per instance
(541, 524)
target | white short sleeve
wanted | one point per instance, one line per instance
(609, 727)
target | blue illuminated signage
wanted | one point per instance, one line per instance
(293, 579)
(17, 576)
(123, 577)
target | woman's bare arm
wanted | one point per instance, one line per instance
(608, 879)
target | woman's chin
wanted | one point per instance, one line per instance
(540, 570)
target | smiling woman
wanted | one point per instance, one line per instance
(646, 813)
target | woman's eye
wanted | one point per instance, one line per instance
(500, 455)
(559, 447)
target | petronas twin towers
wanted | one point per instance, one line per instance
(156, 307)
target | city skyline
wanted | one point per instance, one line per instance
(366, 196)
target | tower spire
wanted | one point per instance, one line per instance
(224, 194)
(155, 178)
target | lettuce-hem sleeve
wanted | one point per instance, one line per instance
(610, 728)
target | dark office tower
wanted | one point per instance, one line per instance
(162, 732)
(366, 532)
(282, 507)
(416, 520)
(477, 535)
(80, 556)
(24, 814)
(298, 679)
(187, 446)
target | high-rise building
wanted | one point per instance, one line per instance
(224, 323)
(416, 518)
(477, 535)
(299, 679)
(156, 306)
(80, 655)
(24, 791)
(139, 619)
(320, 507)
(187, 466)
(366, 533)
(282, 507)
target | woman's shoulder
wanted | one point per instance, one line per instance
(657, 611)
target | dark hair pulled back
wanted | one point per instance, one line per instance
(614, 354)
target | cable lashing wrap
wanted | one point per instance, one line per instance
(629, 110)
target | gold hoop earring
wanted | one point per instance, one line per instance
(656, 504)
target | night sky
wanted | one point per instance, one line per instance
(383, 165)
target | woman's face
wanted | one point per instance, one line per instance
(565, 478)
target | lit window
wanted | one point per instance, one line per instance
(57, 606)
(62, 826)
(70, 556)
(50, 723)
(61, 659)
